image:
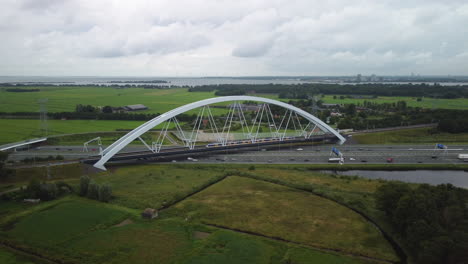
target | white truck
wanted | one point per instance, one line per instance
(463, 157)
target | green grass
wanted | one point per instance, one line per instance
(411, 136)
(155, 185)
(64, 99)
(14, 130)
(10, 257)
(75, 230)
(459, 103)
(63, 221)
(277, 211)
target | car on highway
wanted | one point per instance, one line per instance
(352, 159)
(299, 149)
(390, 160)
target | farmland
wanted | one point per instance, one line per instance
(459, 103)
(277, 211)
(20, 129)
(213, 200)
(411, 136)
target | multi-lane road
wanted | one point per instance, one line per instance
(285, 154)
(352, 154)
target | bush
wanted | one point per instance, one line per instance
(84, 184)
(105, 193)
(34, 188)
(48, 191)
(252, 167)
(93, 191)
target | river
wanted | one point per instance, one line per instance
(433, 177)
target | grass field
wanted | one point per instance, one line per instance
(14, 130)
(459, 103)
(10, 257)
(77, 230)
(411, 136)
(277, 211)
(64, 99)
(155, 185)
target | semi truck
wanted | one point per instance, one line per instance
(463, 157)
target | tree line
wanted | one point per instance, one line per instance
(306, 90)
(432, 220)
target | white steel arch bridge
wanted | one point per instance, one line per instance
(292, 116)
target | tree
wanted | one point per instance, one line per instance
(3, 158)
(105, 193)
(388, 195)
(84, 184)
(93, 191)
(34, 188)
(107, 109)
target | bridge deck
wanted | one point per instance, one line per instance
(202, 149)
(21, 143)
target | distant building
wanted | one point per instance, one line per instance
(137, 107)
(149, 213)
(336, 114)
(331, 105)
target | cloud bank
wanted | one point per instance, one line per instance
(232, 38)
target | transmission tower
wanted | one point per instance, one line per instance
(44, 126)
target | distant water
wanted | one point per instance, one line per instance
(434, 177)
(141, 80)
(180, 81)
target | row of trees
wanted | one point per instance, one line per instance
(306, 90)
(45, 191)
(92, 190)
(433, 220)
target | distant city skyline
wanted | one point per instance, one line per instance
(208, 38)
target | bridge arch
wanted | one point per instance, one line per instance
(115, 147)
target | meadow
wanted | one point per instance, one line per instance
(76, 230)
(266, 200)
(411, 136)
(426, 102)
(14, 130)
(277, 211)
(155, 185)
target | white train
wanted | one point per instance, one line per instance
(246, 141)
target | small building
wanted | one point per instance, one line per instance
(336, 114)
(149, 213)
(331, 105)
(137, 107)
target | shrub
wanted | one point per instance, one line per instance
(93, 191)
(34, 188)
(105, 193)
(84, 184)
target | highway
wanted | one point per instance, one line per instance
(353, 154)
(305, 154)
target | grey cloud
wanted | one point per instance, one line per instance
(218, 37)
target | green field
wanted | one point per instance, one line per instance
(411, 136)
(77, 230)
(459, 103)
(155, 185)
(267, 201)
(14, 130)
(277, 211)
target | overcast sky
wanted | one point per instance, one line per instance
(233, 38)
